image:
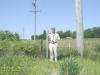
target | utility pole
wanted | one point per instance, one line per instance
(23, 33)
(35, 12)
(34, 19)
(79, 27)
(47, 43)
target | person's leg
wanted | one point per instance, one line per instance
(55, 51)
(51, 52)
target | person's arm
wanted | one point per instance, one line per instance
(58, 43)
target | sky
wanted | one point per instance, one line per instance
(15, 15)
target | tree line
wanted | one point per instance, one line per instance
(7, 35)
(88, 33)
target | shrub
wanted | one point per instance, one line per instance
(4, 47)
(32, 50)
(69, 67)
(20, 48)
(97, 48)
(67, 53)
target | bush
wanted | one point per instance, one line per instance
(4, 47)
(97, 48)
(20, 48)
(27, 48)
(69, 67)
(67, 53)
(91, 55)
(33, 50)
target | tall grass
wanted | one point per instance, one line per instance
(29, 55)
(31, 66)
(69, 67)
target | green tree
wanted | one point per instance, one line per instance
(16, 37)
(44, 34)
(2, 35)
(7, 35)
(74, 34)
(32, 37)
(67, 34)
(61, 34)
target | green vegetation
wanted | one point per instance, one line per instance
(88, 33)
(31, 66)
(69, 66)
(28, 54)
(7, 35)
(92, 33)
(28, 48)
(39, 66)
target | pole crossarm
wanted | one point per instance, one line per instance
(35, 11)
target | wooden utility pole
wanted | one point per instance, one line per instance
(35, 12)
(47, 43)
(34, 4)
(79, 26)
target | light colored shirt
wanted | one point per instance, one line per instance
(54, 37)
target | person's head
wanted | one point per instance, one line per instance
(53, 29)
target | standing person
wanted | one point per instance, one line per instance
(53, 43)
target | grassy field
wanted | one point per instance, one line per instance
(28, 56)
